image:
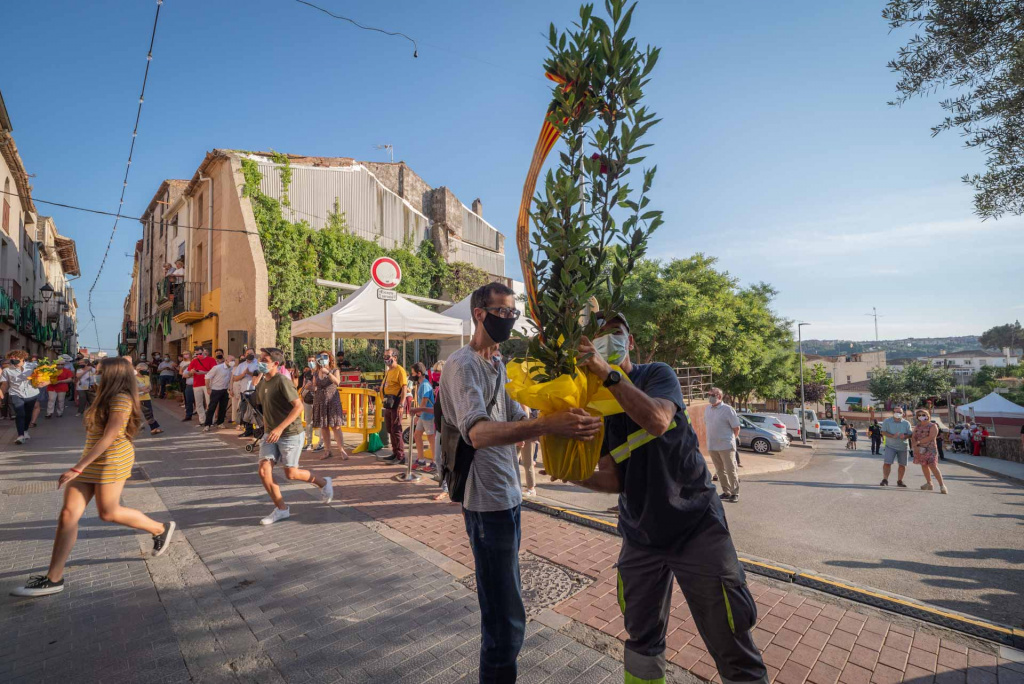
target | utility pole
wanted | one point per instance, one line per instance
(874, 314)
(803, 402)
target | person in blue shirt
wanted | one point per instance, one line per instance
(671, 521)
(423, 415)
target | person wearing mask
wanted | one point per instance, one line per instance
(671, 523)
(166, 370)
(978, 436)
(307, 389)
(15, 383)
(422, 415)
(106, 463)
(252, 366)
(56, 393)
(343, 364)
(241, 381)
(896, 432)
(187, 386)
(86, 380)
(282, 442)
(145, 399)
(218, 382)
(154, 372)
(967, 437)
(924, 441)
(477, 413)
(327, 413)
(875, 433)
(394, 388)
(201, 365)
(723, 431)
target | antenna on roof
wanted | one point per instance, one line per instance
(389, 147)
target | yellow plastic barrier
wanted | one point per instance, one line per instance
(364, 413)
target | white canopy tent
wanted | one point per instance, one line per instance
(992, 406)
(362, 315)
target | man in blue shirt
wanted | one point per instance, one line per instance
(672, 523)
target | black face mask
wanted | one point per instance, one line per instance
(219, 357)
(498, 329)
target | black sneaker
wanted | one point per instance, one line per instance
(733, 498)
(391, 460)
(714, 478)
(39, 585)
(899, 483)
(883, 483)
(160, 541)
(723, 496)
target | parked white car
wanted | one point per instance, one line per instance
(791, 423)
(769, 421)
(813, 425)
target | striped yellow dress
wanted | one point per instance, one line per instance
(114, 464)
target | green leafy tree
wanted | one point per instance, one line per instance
(818, 387)
(885, 385)
(1009, 335)
(917, 381)
(587, 207)
(459, 279)
(976, 49)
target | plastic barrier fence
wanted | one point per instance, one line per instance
(363, 413)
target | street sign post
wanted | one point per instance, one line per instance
(387, 295)
(386, 274)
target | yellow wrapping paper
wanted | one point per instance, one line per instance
(564, 459)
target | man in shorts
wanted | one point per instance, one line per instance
(897, 434)
(282, 441)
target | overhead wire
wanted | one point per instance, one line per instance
(128, 166)
(133, 218)
(415, 47)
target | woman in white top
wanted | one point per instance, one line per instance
(84, 386)
(15, 383)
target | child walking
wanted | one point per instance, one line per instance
(111, 422)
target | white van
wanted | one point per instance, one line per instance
(813, 425)
(791, 423)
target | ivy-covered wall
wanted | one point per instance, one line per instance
(296, 255)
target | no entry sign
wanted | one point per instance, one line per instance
(386, 273)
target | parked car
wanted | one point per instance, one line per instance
(768, 421)
(813, 425)
(830, 428)
(791, 423)
(760, 440)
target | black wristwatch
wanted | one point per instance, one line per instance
(614, 378)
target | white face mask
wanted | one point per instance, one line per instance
(921, 419)
(231, 364)
(898, 416)
(612, 348)
(715, 401)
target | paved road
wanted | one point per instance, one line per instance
(964, 551)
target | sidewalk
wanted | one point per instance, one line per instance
(370, 588)
(1007, 470)
(326, 596)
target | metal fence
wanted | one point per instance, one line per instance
(695, 382)
(187, 297)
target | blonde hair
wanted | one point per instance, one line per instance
(117, 378)
(926, 412)
(439, 366)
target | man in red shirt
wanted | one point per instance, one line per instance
(57, 392)
(201, 364)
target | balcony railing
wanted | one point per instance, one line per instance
(188, 301)
(163, 291)
(130, 332)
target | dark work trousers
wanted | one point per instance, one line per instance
(938, 442)
(494, 537)
(147, 413)
(22, 412)
(714, 586)
(219, 399)
(393, 420)
(876, 445)
(164, 381)
(190, 402)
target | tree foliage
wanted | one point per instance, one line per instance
(818, 387)
(975, 48)
(687, 313)
(917, 381)
(587, 206)
(1009, 335)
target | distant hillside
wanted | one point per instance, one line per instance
(908, 347)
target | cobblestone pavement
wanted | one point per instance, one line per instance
(321, 597)
(365, 589)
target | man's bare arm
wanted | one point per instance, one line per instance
(571, 424)
(652, 414)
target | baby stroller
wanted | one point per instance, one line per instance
(253, 415)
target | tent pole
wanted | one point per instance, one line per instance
(387, 338)
(405, 355)
(332, 339)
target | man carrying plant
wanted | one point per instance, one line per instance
(475, 403)
(672, 523)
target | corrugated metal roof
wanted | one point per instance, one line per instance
(478, 231)
(371, 210)
(492, 262)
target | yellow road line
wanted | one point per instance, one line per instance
(580, 515)
(918, 606)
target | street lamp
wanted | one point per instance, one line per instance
(803, 406)
(46, 291)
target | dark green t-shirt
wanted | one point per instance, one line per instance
(277, 396)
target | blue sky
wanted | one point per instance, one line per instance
(777, 153)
